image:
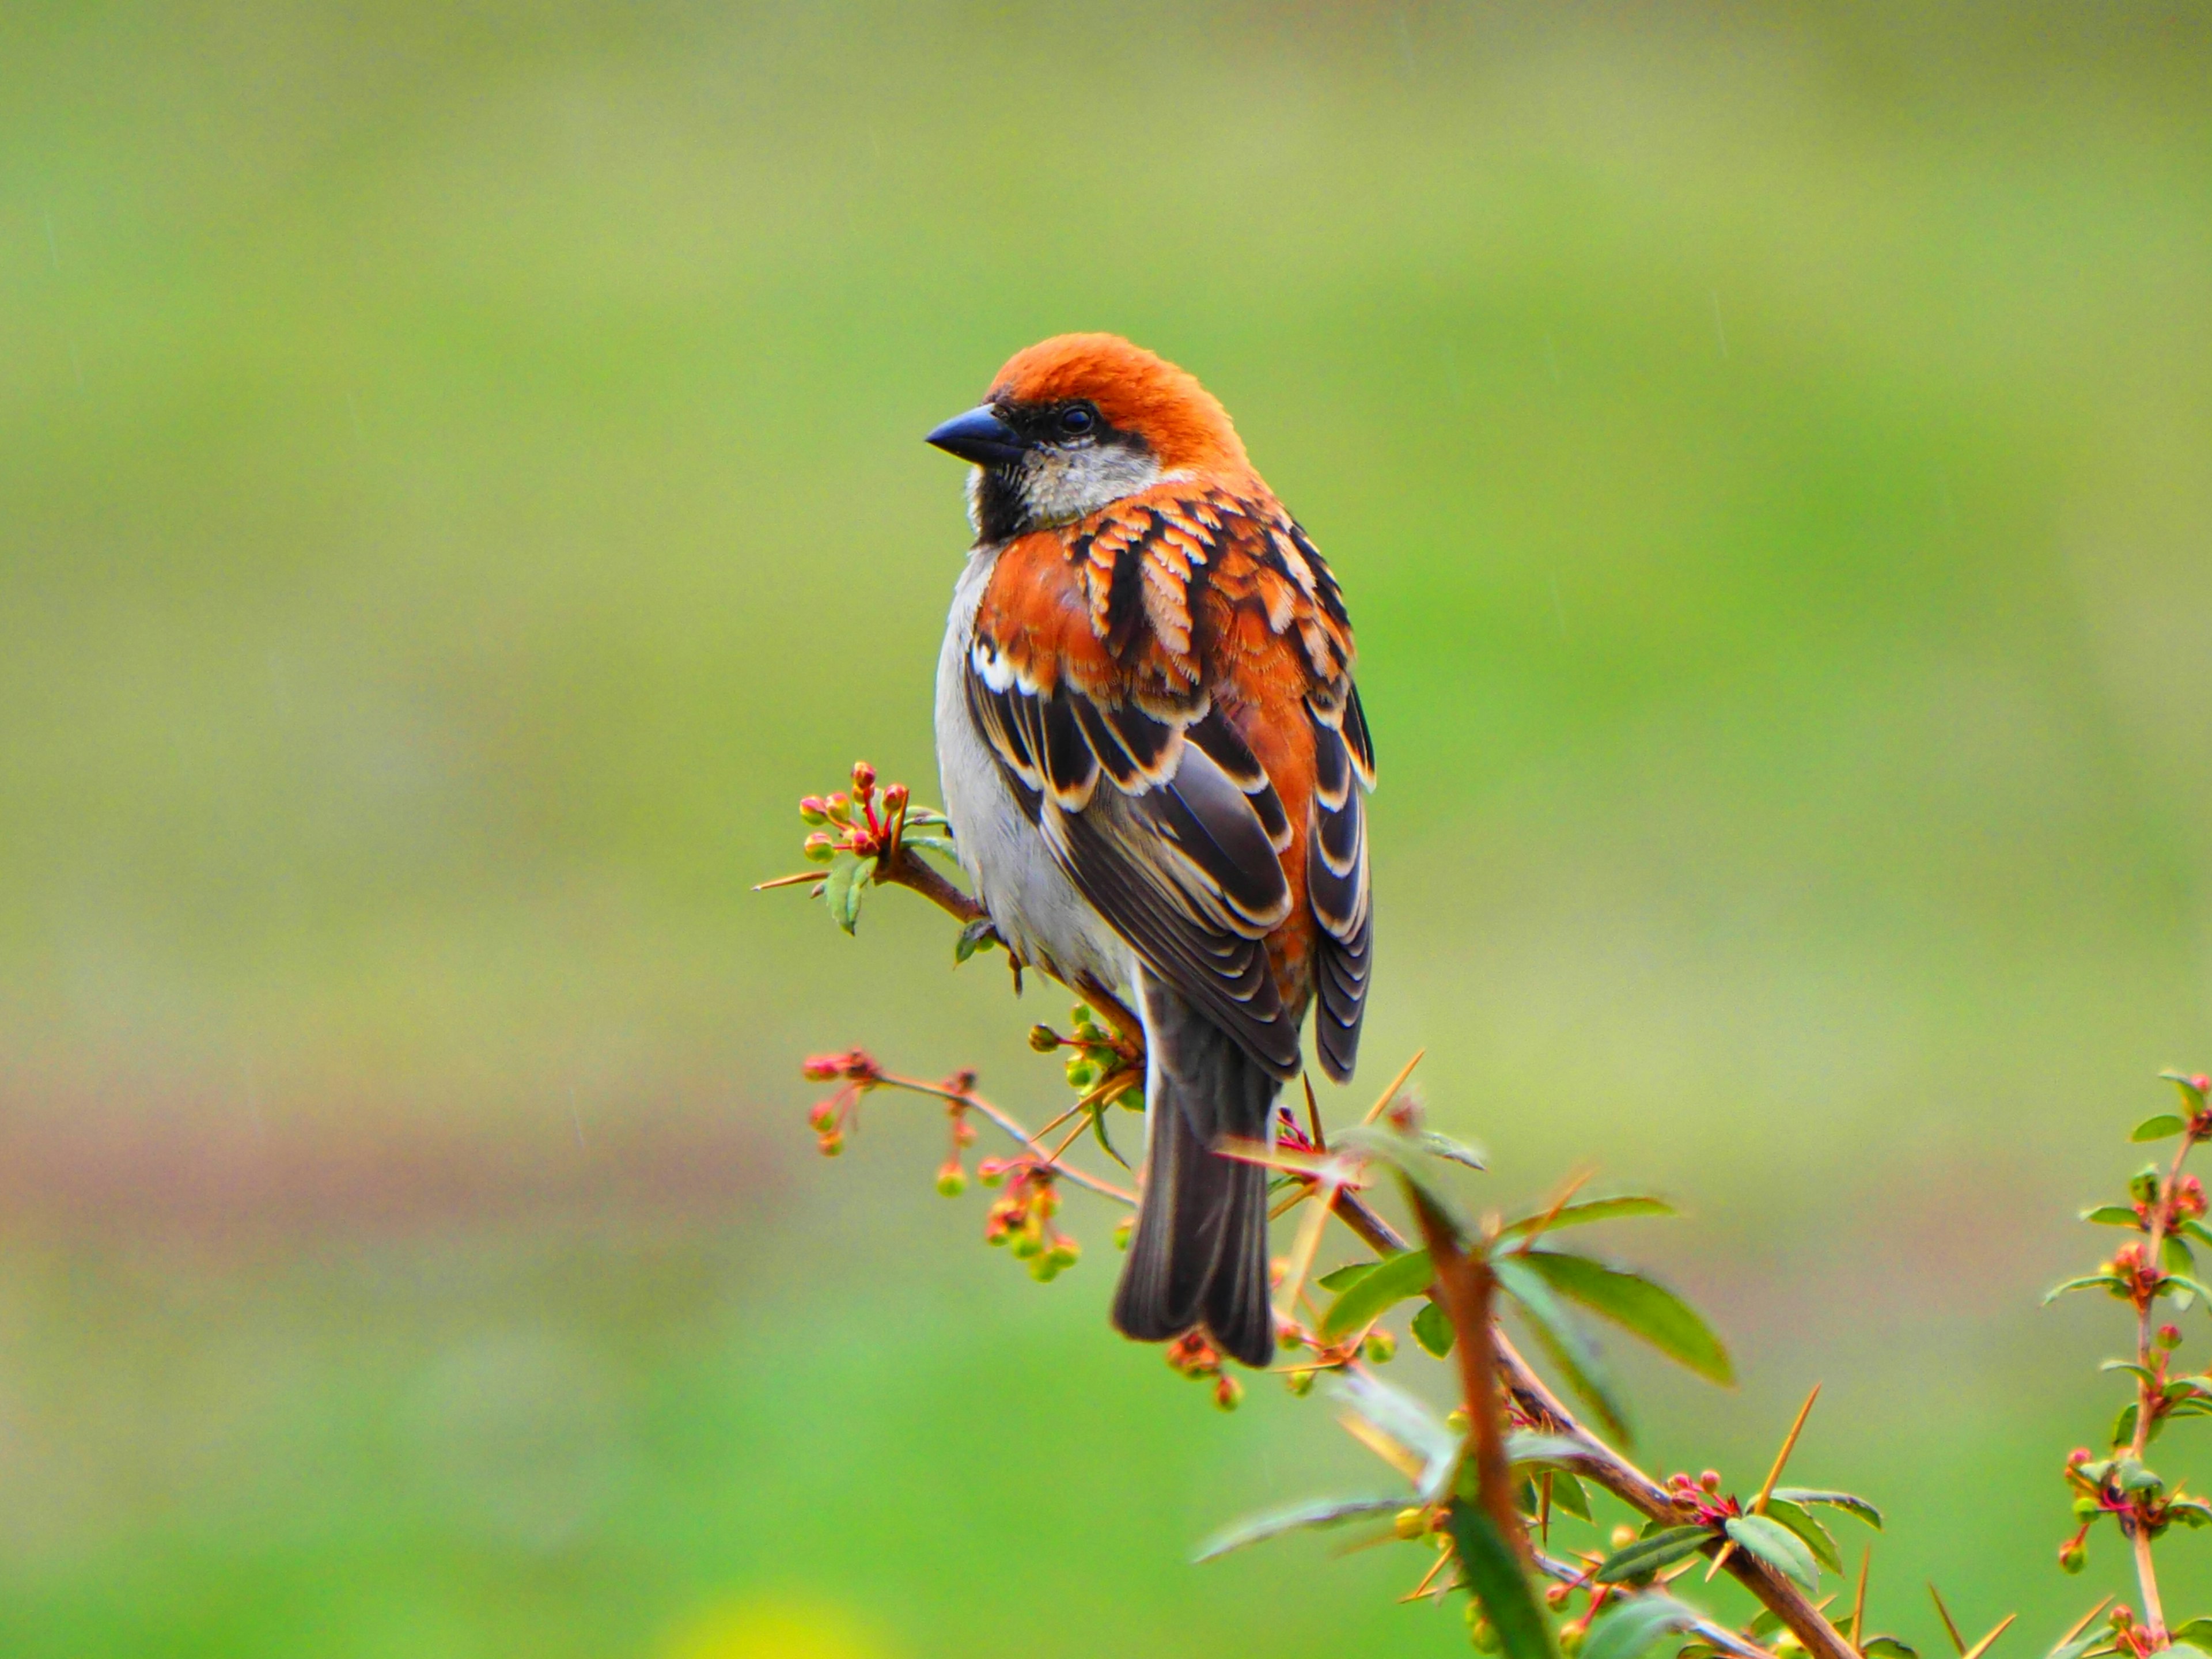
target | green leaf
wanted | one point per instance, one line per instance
(2181, 1286)
(1451, 1150)
(2186, 1651)
(2113, 1215)
(2087, 1281)
(2192, 1097)
(1410, 1422)
(2129, 1475)
(2080, 1644)
(930, 843)
(1581, 1213)
(1648, 1555)
(2198, 1230)
(1888, 1647)
(1809, 1531)
(1557, 1451)
(1493, 1572)
(978, 935)
(1343, 1279)
(1630, 1629)
(2197, 1632)
(1635, 1303)
(1315, 1512)
(2123, 1425)
(1570, 1347)
(2129, 1366)
(1567, 1494)
(2158, 1128)
(1421, 1170)
(1776, 1545)
(1849, 1502)
(1433, 1331)
(1375, 1293)
(840, 890)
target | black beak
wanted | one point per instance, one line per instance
(978, 436)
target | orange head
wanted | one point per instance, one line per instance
(1076, 423)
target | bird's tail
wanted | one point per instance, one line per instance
(1200, 1253)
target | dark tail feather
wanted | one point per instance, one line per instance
(1200, 1253)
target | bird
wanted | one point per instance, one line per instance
(1154, 761)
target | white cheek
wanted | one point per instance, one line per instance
(1061, 485)
(975, 488)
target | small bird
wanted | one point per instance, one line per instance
(1154, 760)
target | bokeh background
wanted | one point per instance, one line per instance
(462, 482)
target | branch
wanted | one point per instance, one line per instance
(1609, 1469)
(1012, 1125)
(900, 868)
(1467, 1286)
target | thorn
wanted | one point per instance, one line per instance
(1313, 1114)
(1759, 1503)
(1958, 1642)
(2082, 1623)
(1575, 1183)
(1858, 1601)
(1982, 1646)
(1396, 1084)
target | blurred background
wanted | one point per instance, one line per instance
(463, 482)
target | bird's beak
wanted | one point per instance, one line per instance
(978, 436)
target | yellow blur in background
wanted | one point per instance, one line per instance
(461, 481)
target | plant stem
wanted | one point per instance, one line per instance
(1609, 1469)
(1012, 1126)
(2147, 1398)
(1468, 1285)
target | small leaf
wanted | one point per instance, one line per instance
(1493, 1572)
(2129, 1366)
(1451, 1150)
(1343, 1279)
(1433, 1331)
(1888, 1647)
(2158, 1128)
(1375, 1293)
(1420, 1169)
(978, 935)
(2197, 1632)
(1557, 1451)
(1570, 1347)
(2113, 1215)
(1588, 1209)
(2182, 1286)
(1810, 1533)
(1408, 1421)
(1635, 1303)
(1776, 1545)
(1630, 1629)
(837, 891)
(2087, 1282)
(1316, 1512)
(1648, 1555)
(930, 843)
(1567, 1494)
(2198, 1230)
(1849, 1502)
(2129, 1475)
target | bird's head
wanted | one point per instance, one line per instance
(1077, 422)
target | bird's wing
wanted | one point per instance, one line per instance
(1167, 687)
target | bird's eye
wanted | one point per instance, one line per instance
(1077, 419)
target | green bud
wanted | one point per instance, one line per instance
(1027, 1245)
(1044, 1270)
(1081, 1073)
(2072, 1556)
(2086, 1509)
(951, 1181)
(1044, 1039)
(1300, 1383)
(1381, 1347)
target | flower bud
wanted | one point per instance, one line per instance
(1481, 1632)
(2169, 1337)
(1081, 1073)
(1555, 1596)
(1278, 1268)
(2073, 1556)
(1066, 1252)
(1381, 1347)
(951, 1179)
(863, 780)
(991, 1172)
(1456, 1420)
(1300, 1383)
(895, 796)
(819, 848)
(838, 806)
(1043, 1268)
(833, 1143)
(963, 1133)
(1044, 1039)
(813, 810)
(820, 1068)
(821, 1115)
(1623, 1536)
(1571, 1638)
(1228, 1392)
(2121, 1617)
(1710, 1479)
(1409, 1523)
(2078, 1456)
(1027, 1246)
(1122, 1229)
(2086, 1508)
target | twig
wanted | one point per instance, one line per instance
(1610, 1470)
(1468, 1286)
(1011, 1127)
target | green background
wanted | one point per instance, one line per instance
(460, 480)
